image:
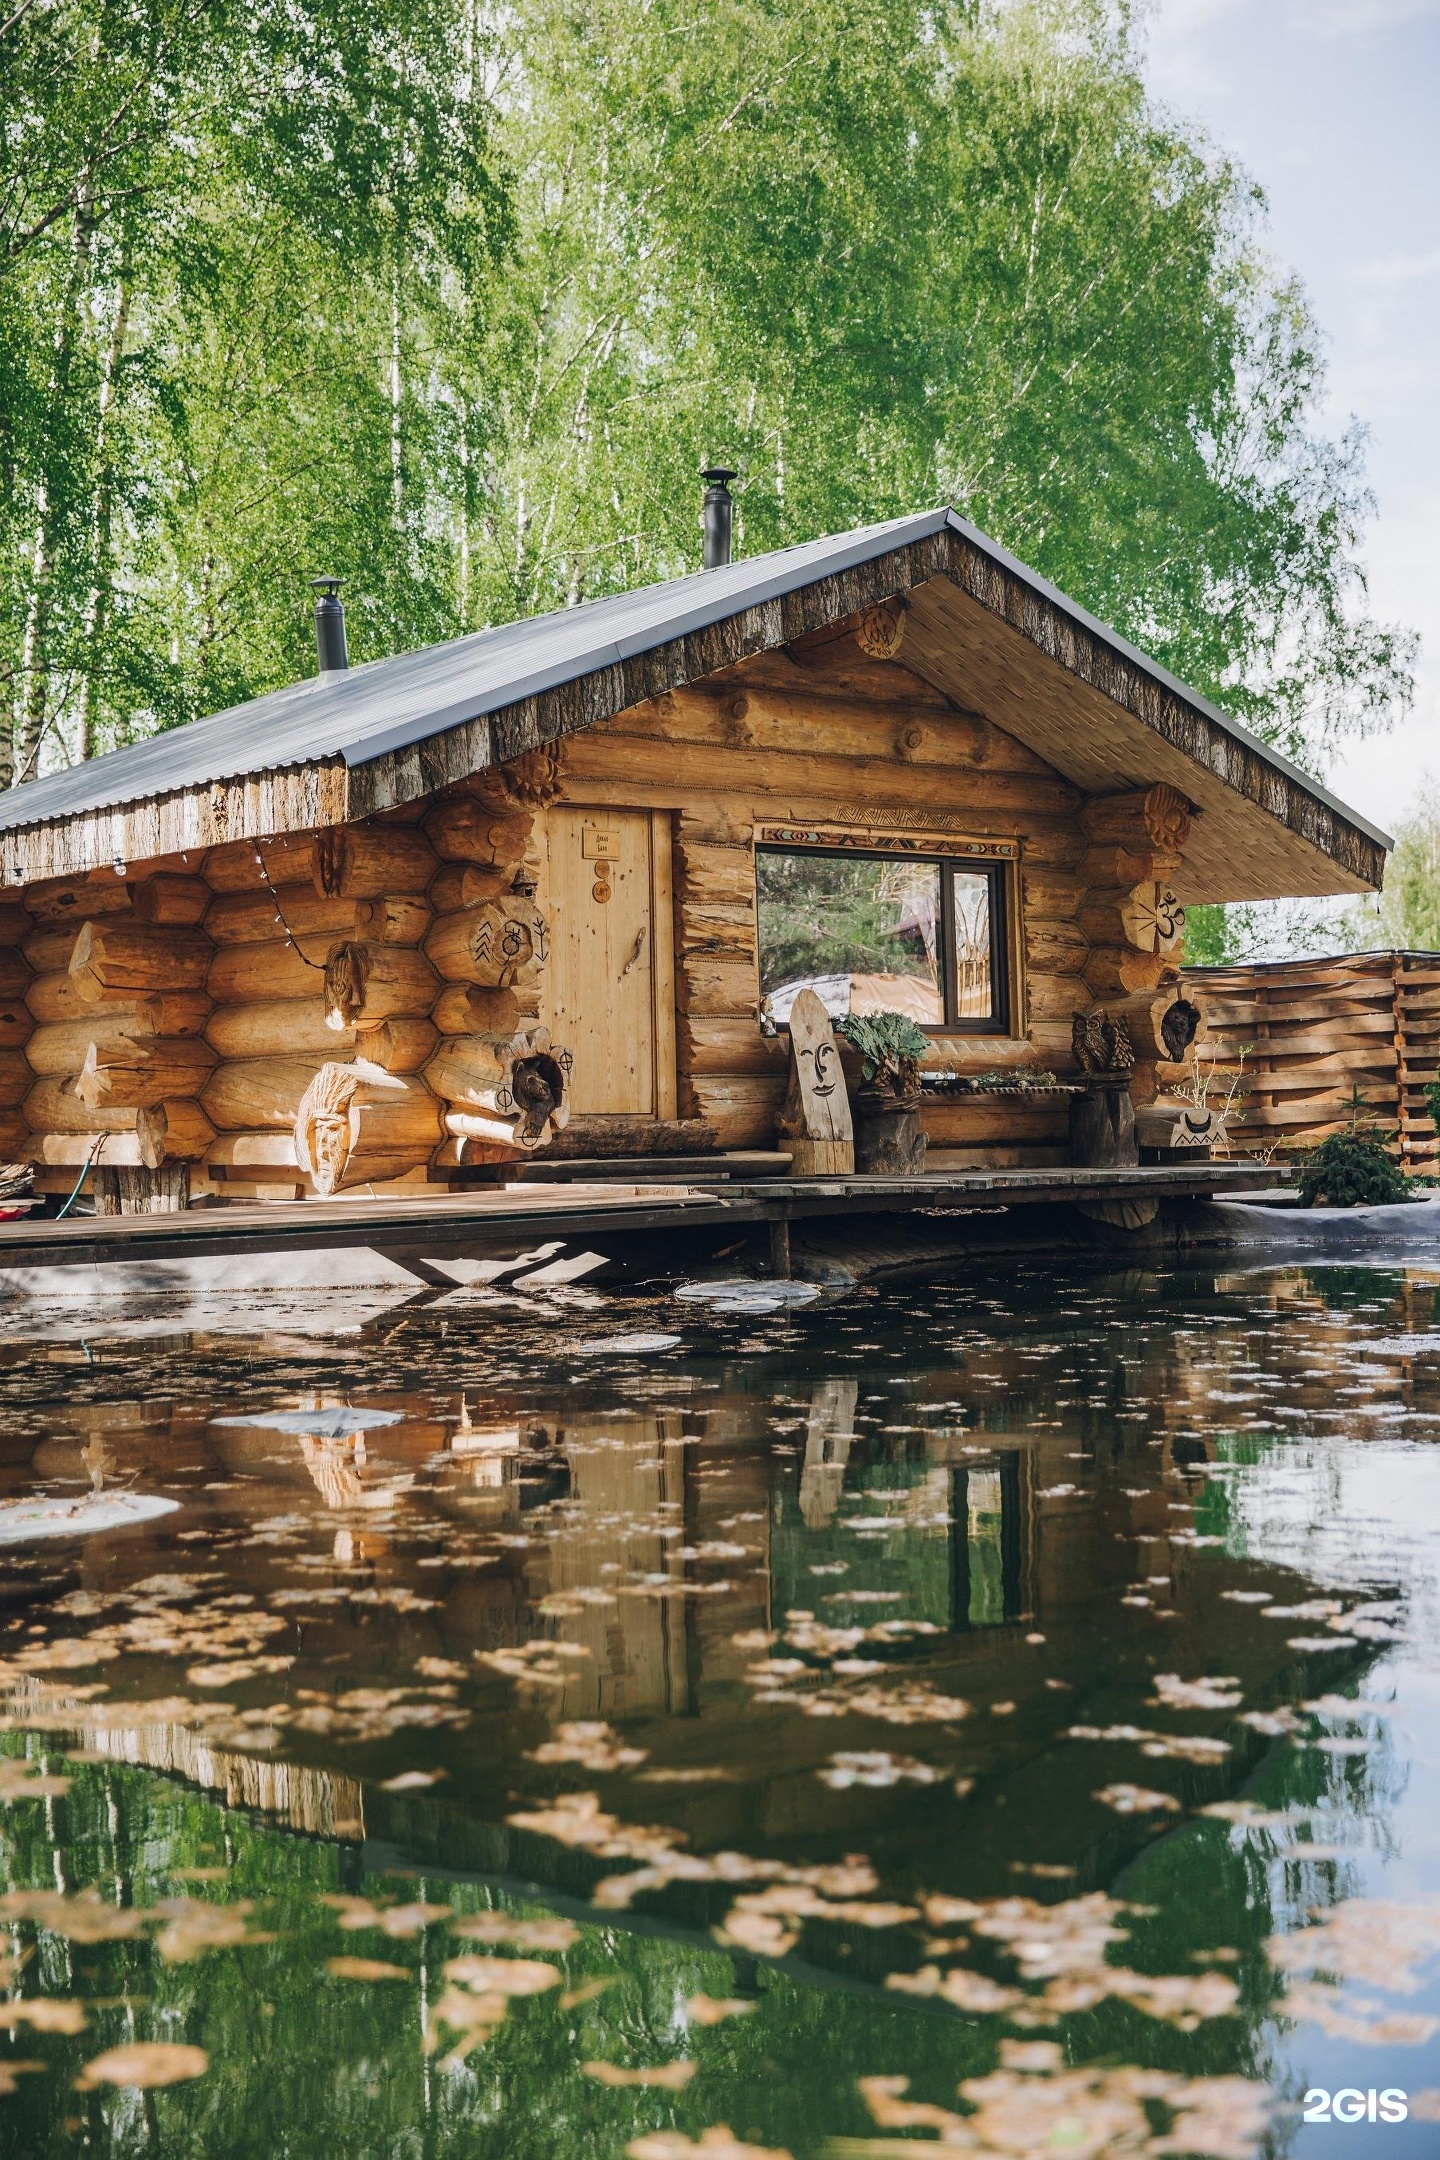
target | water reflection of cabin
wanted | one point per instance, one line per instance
(310, 944)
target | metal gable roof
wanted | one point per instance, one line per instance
(388, 705)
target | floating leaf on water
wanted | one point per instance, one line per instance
(716, 2143)
(23, 1780)
(193, 1927)
(587, 1991)
(82, 1918)
(591, 1744)
(358, 1968)
(144, 2063)
(11, 2071)
(1219, 1691)
(412, 1781)
(1137, 1800)
(499, 1927)
(762, 1934)
(877, 1770)
(1376, 1940)
(668, 2077)
(699, 1775)
(472, 2017)
(1309, 1643)
(43, 2013)
(1095, 2112)
(885, 2098)
(535, 1664)
(229, 1672)
(710, 2010)
(502, 1976)
(354, 1913)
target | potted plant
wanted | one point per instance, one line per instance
(888, 1047)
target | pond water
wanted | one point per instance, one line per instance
(996, 1716)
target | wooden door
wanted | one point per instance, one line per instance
(600, 982)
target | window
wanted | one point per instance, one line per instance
(875, 933)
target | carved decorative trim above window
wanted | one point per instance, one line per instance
(844, 834)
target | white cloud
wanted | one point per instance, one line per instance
(1359, 18)
(1398, 269)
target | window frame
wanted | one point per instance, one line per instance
(995, 872)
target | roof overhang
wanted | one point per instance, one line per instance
(980, 626)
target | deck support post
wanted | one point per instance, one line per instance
(780, 1248)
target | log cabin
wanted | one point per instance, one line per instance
(550, 887)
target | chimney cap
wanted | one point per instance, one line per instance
(330, 645)
(717, 514)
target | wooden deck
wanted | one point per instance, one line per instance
(486, 1223)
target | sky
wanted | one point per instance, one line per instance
(1333, 106)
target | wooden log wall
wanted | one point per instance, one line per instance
(1299, 1035)
(186, 1014)
(832, 732)
(115, 994)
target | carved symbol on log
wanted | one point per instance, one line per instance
(1167, 817)
(533, 779)
(880, 632)
(504, 1099)
(1152, 918)
(508, 942)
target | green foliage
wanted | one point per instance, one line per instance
(1432, 1102)
(1351, 1169)
(1406, 916)
(890, 1046)
(455, 304)
(1214, 936)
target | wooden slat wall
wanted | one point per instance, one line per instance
(1312, 1029)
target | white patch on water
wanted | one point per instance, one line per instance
(22, 1520)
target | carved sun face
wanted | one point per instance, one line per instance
(329, 1148)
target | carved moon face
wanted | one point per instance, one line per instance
(825, 1073)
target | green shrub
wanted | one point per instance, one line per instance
(890, 1046)
(1351, 1169)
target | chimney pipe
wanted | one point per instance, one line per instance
(329, 626)
(719, 509)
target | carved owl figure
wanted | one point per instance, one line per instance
(1100, 1043)
(1087, 1040)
